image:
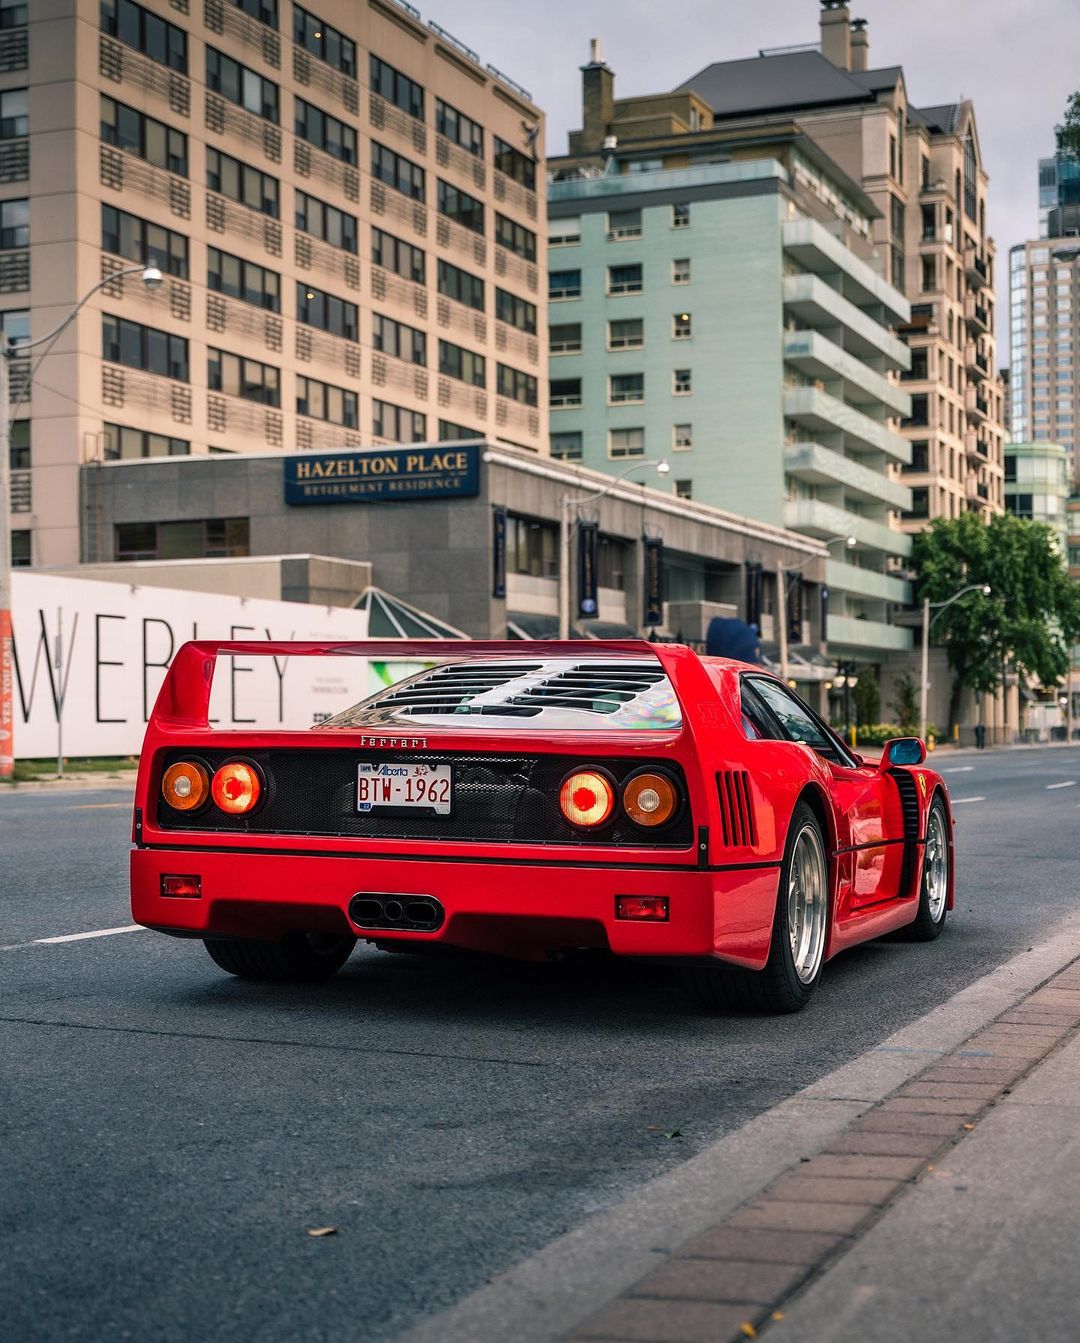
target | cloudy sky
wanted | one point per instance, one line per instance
(1018, 61)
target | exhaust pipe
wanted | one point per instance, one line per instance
(407, 914)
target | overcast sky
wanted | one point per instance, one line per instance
(1018, 61)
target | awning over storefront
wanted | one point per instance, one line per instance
(391, 618)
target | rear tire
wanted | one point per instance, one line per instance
(797, 950)
(304, 957)
(935, 887)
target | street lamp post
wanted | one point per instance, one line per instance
(566, 528)
(927, 623)
(152, 279)
(782, 571)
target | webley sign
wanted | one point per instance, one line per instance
(397, 475)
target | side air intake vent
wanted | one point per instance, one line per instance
(597, 686)
(736, 807)
(451, 688)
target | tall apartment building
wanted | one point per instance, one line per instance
(713, 300)
(1044, 371)
(342, 199)
(923, 170)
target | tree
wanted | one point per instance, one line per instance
(867, 697)
(1068, 133)
(906, 704)
(1032, 616)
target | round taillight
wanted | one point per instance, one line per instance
(236, 787)
(650, 799)
(587, 798)
(185, 785)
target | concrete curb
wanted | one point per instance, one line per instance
(122, 779)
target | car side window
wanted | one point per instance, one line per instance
(797, 722)
(756, 722)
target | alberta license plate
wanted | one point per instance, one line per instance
(412, 786)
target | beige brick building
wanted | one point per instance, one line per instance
(342, 199)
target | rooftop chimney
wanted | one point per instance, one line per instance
(836, 33)
(860, 45)
(597, 100)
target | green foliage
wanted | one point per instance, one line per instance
(905, 704)
(867, 698)
(877, 734)
(1032, 615)
(1068, 133)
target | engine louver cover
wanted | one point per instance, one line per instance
(598, 687)
(736, 808)
(451, 688)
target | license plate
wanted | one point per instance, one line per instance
(411, 787)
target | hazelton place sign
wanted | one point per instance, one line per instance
(400, 474)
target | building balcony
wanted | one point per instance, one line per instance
(816, 304)
(849, 632)
(977, 405)
(974, 450)
(975, 268)
(849, 578)
(821, 253)
(825, 521)
(822, 413)
(921, 321)
(818, 357)
(976, 316)
(977, 365)
(815, 464)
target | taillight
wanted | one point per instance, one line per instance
(236, 787)
(185, 785)
(650, 799)
(587, 798)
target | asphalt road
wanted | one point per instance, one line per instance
(168, 1134)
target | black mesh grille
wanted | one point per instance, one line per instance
(497, 798)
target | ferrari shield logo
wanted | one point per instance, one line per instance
(922, 783)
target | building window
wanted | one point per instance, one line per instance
(137, 27)
(245, 378)
(14, 114)
(400, 257)
(920, 459)
(623, 224)
(141, 135)
(626, 334)
(567, 447)
(397, 88)
(929, 222)
(513, 163)
(20, 549)
(138, 240)
(680, 216)
(683, 438)
(929, 273)
(684, 489)
(624, 388)
(626, 443)
(203, 538)
(462, 208)
(896, 243)
(516, 385)
(15, 325)
(532, 547)
(682, 326)
(320, 401)
(892, 157)
(682, 382)
(145, 347)
(564, 232)
(920, 412)
(465, 365)
(515, 237)
(324, 221)
(970, 179)
(122, 443)
(263, 10)
(461, 286)
(563, 284)
(565, 339)
(626, 279)
(459, 129)
(325, 132)
(449, 432)
(565, 393)
(323, 41)
(13, 13)
(1010, 467)
(233, 275)
(397, 172)
(19, 445)
(397, 424)
(515, 311)
(242, 183)
(611, 563)
(14, 224)
(680, 270)
(327, 312)
(920, 503)
(397, 339)
(246, 88)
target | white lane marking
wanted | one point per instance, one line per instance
(958, 801)
(1070, 784)
(76, 937)
(959, 769)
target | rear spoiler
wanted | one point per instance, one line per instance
(184, 698)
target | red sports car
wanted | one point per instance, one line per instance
(525, 799)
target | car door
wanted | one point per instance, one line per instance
(866, 802)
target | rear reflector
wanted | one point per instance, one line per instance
(189, 886)
(644, 908)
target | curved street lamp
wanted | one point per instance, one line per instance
(927, 625)
(152, 279)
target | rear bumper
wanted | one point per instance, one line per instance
(508, 908)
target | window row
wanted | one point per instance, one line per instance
(626, 333)
(569, 446)
(621, 226)
(630, 279)
(622, 389)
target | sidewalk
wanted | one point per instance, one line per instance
(950, 1209)
(121, 778)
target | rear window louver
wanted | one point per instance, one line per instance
(595, 687)
(452, 688)
(736, 807)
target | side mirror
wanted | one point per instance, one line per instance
(903, 751)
